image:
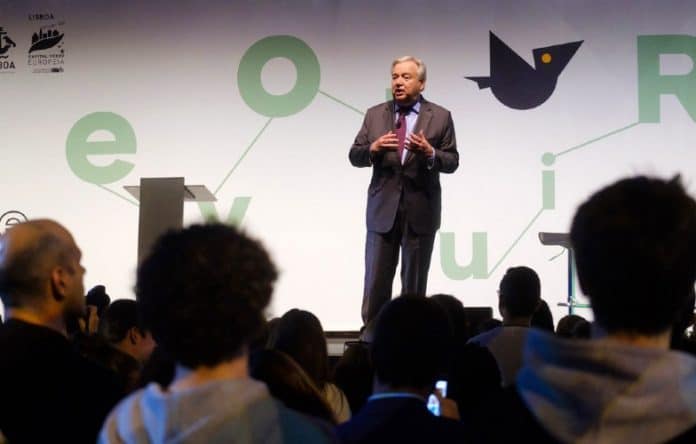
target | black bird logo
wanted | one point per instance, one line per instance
(516, 84)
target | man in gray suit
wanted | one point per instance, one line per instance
(407, 141)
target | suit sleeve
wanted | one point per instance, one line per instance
(359, 154)
(446, 155)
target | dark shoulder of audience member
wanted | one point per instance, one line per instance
(680, 340)
(573, 327)
(473, 378)
(289, 383)
(160, 368)
(261, 338)
(582, 330)
(123, 365)
(299, 334)
(353, 374)
(488, 325)
(473, 374)
(542, 317)
(454, 309)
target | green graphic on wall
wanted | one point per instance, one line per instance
(78, 146)
(252, 63)
(652, 84)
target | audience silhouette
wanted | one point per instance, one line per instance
(193, 358)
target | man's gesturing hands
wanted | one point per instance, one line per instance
(419, 143)
(386, 142)
(414, 142)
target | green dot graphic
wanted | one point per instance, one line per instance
(256, 57)
(548, 159)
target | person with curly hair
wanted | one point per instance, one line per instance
(202, 292)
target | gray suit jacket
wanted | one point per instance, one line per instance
(419, 183)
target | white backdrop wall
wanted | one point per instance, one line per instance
(163, 78)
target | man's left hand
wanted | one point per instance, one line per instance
(419, 143)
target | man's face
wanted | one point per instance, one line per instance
(406, 87)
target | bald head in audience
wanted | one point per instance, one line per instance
(51, 392)
(41, 278)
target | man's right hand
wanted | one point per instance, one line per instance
(388, 142)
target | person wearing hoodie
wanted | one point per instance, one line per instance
(202, 292)
(635, 248)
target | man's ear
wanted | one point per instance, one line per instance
(58, 283)
(133, 335)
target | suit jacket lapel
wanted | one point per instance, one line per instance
(388, 116)
(422, 122)
(390, 125)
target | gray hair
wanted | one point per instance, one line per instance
(422, 73)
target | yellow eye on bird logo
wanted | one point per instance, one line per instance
(518, 85)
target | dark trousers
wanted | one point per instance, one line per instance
(382, 257)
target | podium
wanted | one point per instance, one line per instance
(162, 207)
(563, 240)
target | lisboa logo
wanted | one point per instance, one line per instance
(47, 52)
(45, 39)
(6, 43)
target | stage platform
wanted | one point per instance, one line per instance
(336, 341)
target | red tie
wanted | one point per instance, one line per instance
(401, 130)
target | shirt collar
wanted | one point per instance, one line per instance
(415, 107)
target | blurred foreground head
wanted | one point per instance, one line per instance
(635, 247)
(202, 292)
(412, 343)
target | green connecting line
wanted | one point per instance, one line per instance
(514, 244)
(242, 156)
(604, 136)
(342, 103)
(132, 202)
